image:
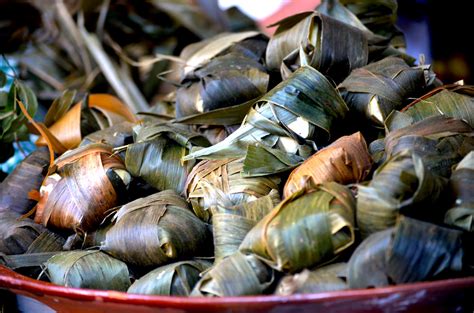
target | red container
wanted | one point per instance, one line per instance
(454, 295)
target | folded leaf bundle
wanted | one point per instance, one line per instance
(156, 230)
(231, 224)
(19, 235)
(439, 140)
(310, 38)
(452, 100)
(116, 135)
(401, 185)
(70, 123)
(231, 77)
(306, 229)
(213, 182)
(327, 278)
(175, 279)
(156, 155)
(90, 176)
(377, 89)
(412, 251)
(298, 112)
(236, 275)
(88, 269)
(27, 176)
(461, 185)
(345, 161)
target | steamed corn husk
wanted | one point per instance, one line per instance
(330, 46)
(346, 160)
(156, 230)
(82, 175)
(175, 279)
(88, 269)
(327, 278)
(461, 184)
(220, 182)
(401, 185)
(296, 116)
(375, 90)
(236, 275)
(306, 229)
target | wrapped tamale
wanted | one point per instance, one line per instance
(461, 214)
(236, 275)
(327, 278)
(310, 38)
(345, 161)
(156, 230)
(231, 224)
(155, 156)
(82, 187)
(375, 90)
(175, 279)
(27, 176)
(409, 252)
(401, 185)
(88, 269)
(22, 235)
(70, 123)
(308, 228)
(231, 77)
(297, 115)
(213, 182)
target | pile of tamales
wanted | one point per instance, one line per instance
(320, 159)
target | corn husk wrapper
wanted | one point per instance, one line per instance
(327, 278)
(310, 38)
(83, 175)
(452, 100)
(345, 161)
(156, 230)
(22, 235)
(230, 224)
(304, 230)
(233, 76)
(401, 185)
(176, 279)
(88, 269)
(394, 256)
(68, 123)
(27, 176)
(461, 185)
(377, 89)
(156, 155)
(213, 182)
(292, 116)
(236, 275)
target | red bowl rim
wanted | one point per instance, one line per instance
(17, 282)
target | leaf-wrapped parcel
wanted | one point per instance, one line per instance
(412, 251)
(327, 278)
(295, 116)
(88, 269)
(375, 90)
(155, 156)
(310, 38)
(156, 230)
(306, 229)
(345, 161)
(461, 185)
(213, 182)
(236, 275)
(231, 77)
(82, 188)
(401, 185)
(175, 279)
